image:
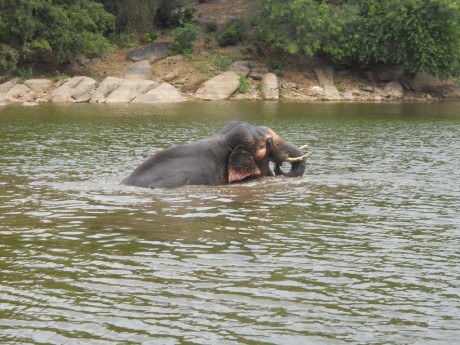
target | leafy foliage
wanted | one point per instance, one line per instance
(244, 86)
(424, 35)
(53, 30)
(231, 34)
(184, 38)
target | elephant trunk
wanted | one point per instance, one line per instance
(296, 157)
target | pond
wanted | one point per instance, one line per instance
(363, 249)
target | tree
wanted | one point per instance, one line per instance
(53, 30)
(424, 35)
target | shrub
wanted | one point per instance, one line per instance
(422, 35)
(245, 86)
(127, 40)
(149, 37)
(211, 26)
(8, 58)
(184, 38)
(231, 33)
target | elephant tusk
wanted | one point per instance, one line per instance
(303, 147)
(297, 159)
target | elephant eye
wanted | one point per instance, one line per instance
(269, 141)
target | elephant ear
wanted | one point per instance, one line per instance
(241, 165)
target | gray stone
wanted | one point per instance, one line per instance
(150, 52)
(269, 87)
(107, 86)
(240, 67)
(139, 70)
(39, 84)
(331, 93)
(4, 101)
(17, 91)
(220, 87)
(130, 89)
(388, 72)
(393, 89)
(426, 82)
(325, 76)
(317, 89)
(73, 89)
(165, 93)
(5, 87)
(257, 73)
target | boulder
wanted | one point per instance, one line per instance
(388, 72)
(17, 91)
(257, 73)
(317, 89)
(240, 67)
(4, 101)
(107, 86)
(331, 93)
(139, 70)
(39, 84)
(393, 89)
(150, 52)
(5, 87)
(325, 78)
(165, 93)
(130, 89)
(270, 88)
(73, 89)
(220, 87)
(426, 82)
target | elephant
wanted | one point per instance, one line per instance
(240, 151)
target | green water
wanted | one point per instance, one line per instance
(363, 249)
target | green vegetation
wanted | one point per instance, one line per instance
(52, 31)
(231, 33)
(245, 86)
(422, 35)
(184, 38)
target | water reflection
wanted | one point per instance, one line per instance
(362, 249)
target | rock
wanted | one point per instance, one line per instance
(130, 89)
(317, 89)
(270, 88)
(29, 104)
(17, 91)
(72, 68)
(388, 72)
(5, 87)
(427, 82)
(240, 67)
(39, 84)
(171, 76)
(107, 86)
(325, 76)
(393, 89)
(348, 95)
(257, 73)
(220, 87)
(4, 101)
(331, 93)
(73, 89)
(150, 52)
(139, 70)
(165, 93)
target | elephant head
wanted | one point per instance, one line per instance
(253, 148)
(238, 152)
